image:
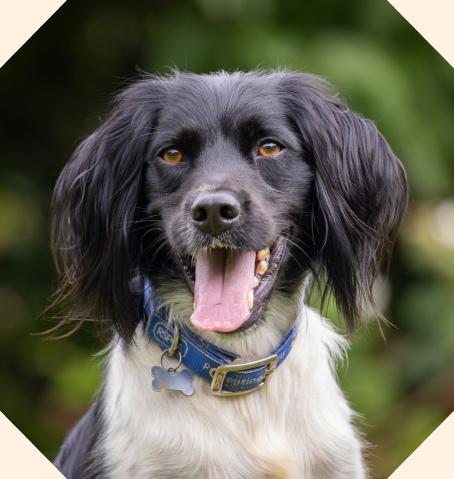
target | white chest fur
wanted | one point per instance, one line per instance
(298, 426)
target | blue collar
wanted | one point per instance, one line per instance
(226, 371)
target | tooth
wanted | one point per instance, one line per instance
(255, 282)
(227, 324)
(262, 254)
(261, 267)
(250, 299)
(217, 324)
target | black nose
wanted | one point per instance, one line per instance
(215, 212)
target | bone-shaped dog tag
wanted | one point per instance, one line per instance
(176, 381)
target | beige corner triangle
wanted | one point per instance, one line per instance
(433, 20)
(434, 458)
(20, 458)
(19, 20)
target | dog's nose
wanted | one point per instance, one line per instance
(215, 212)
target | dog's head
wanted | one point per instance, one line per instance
(238, 184)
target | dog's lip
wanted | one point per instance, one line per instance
(266, 286)
(278, 255)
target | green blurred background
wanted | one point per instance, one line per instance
(52, 94)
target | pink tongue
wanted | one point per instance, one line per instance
(223, 279)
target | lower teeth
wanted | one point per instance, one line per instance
(261, 267)
(250, 299)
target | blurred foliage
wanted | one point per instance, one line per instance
(57, 85)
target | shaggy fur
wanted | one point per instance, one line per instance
(336, 193)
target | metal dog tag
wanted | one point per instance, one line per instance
(171, 379)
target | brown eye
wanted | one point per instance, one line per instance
(269, 149)
(172, 155)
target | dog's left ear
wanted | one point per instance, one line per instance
(97, 211)
(359, 192)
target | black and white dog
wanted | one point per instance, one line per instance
(193, 220)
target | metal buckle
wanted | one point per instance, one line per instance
(220, 373)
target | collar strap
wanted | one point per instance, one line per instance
(228, 374)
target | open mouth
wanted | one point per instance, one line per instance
(230, 286)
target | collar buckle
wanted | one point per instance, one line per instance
(220, 373)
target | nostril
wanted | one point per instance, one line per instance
(229, 211)
(199, 214)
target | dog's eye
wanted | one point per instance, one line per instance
(269, 149)
(171, 155)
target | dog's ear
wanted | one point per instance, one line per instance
(97, 204)
(359, 193)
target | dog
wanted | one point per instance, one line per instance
(194, 221)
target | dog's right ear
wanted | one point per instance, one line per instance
(96, 205)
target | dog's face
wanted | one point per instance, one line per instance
(238, 184)
(226, 180)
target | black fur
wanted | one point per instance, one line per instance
(119, 210)
(80, 457)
